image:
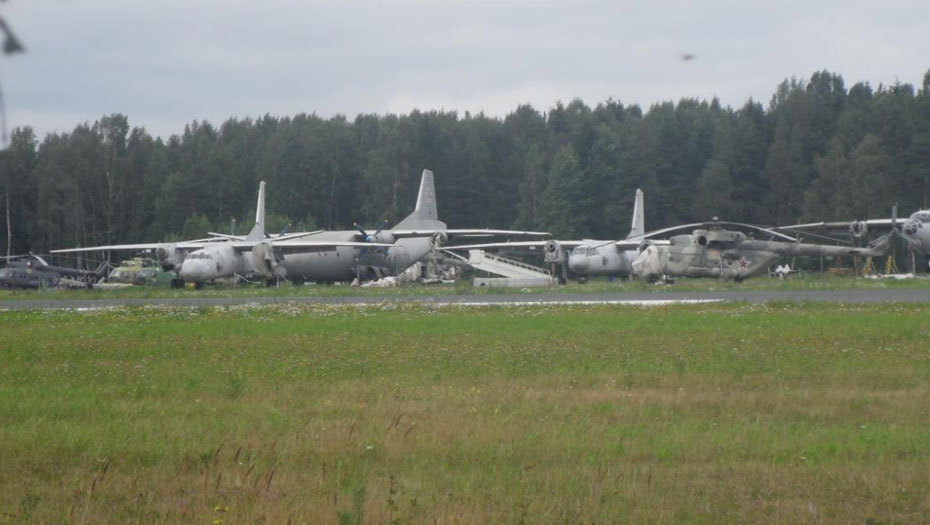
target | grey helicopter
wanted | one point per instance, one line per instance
(32, 271)
(712, 251)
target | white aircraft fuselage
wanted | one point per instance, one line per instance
(346, 263)
(213, 262)
(598, 258)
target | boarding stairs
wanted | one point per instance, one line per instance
(505, 267)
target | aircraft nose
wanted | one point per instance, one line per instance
(578, 263)
(193, 271)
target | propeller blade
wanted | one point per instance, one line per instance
(361, 230)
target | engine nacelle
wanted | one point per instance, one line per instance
(554, 252)
(858, 229)
(438, 238)
(266, 262)
(648, 264)
(384, 238)
(169, 257)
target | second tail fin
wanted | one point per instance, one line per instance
(425, 215)
(639, 222)
(258, 231)
(426, 199)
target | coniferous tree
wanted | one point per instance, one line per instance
(564, 204)
(816, 152)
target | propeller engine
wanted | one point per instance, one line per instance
(858, 229)
(439, 239)
(266, 262)
(378, 237)
(169, 257)
(554, 252)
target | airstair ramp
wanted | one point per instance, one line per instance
(505, 267)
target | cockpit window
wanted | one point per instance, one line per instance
(922, 217)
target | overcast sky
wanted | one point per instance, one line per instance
(164, 63)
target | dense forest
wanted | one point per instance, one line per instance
(818, 151)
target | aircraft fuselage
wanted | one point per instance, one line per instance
(597, 258)
(346, 263)
(214, 262)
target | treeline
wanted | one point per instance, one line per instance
(818, 151)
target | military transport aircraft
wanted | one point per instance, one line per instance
(388, 251)
(585, 257)
(205, 260)
(715, 252)
(311, 256)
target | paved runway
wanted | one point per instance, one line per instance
(906, 295)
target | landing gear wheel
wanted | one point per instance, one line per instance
(177, 283)
(198, 285)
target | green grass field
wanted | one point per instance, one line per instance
(333, 414)
(808, 281)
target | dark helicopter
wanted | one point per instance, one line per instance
(32, 271)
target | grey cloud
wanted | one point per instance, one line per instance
(167, 63)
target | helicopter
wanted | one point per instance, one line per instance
(727, 254)
(32, 271)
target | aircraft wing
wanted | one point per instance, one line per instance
(845, 229)
(227, 236)
(282, 237)
(527, 245)
(302, 246)
(478, 232)
(187, 245)
(628, 244)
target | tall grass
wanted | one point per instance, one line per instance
(326, 414)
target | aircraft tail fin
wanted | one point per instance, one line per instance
(639, 222)
(425, 215)
(258, 231)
